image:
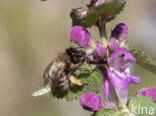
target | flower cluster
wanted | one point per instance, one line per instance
(115, 71)
(109, 56)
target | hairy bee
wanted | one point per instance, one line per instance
(59, 71)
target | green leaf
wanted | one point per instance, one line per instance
(93, 82)
(142, 59)
(107, 10)
(143, 106)
(42, 91)
(109, 112)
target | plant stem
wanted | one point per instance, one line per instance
(102, 29)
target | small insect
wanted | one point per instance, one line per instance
(59, 71)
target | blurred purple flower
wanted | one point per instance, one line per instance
(89, 54)
(111, 105)
(95, 3)
(90, 101)
(119, 74)
(149, 92)
(80, 36)
(99, 2)
(106, 87)
(120, 31)
(113, 44)
(99, 51)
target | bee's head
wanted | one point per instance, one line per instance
(76, 55)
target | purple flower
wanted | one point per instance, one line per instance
(80, 36)
(90, 101)
(119, 74)
(99, 2)
(113, 44)
(120, 31)
(106, 87)
(89, 54)
(99, 51)
(149, 92)
(111, 105)
(95, 3)
(119, 59)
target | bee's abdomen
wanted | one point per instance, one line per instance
(63, 83)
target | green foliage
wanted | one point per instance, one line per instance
(107, 10)
(109, 112)
(92, 80)
(142, 106)
(142, 58)
(42, 91)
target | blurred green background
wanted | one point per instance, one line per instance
(33, 32)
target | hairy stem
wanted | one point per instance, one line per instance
(102, 29)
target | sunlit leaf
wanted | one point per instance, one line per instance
(108, 10)
(142, 58)
(110, 112)
(143, 106)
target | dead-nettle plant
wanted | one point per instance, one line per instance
(95, 67)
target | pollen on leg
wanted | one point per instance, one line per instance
(75, 81)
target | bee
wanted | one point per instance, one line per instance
(60, 70)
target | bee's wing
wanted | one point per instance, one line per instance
(56, 75)
(59, 79)
(46, 75)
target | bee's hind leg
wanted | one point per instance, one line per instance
(81, 69)
(75, 81)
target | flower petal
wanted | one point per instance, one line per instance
(120, 31)
(106, 87)
(121, 83)
(80, 36)
(113, 44)
(149, 92)
(111, 105)
(90, 101)
(99, 51)
(120, 58)
(95, 3)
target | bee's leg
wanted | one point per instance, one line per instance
(81, 69)
(84, 69)
(75, 80)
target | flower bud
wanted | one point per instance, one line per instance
(149, 92)
(113, 44)
(89, 54)
(95, 3)
(111, 105)
(120, 31)
(99, 51)
(90, 101)
(80, 36)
